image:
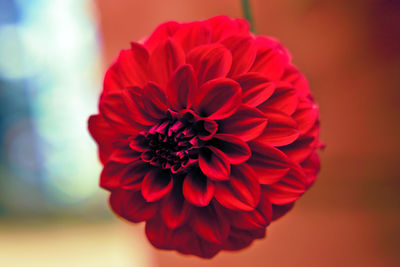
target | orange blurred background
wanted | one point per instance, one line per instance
(350, 52)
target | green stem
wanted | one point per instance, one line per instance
(248, 15)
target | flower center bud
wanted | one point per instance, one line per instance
(172, 144)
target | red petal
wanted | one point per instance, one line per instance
(167, 56)
(206, 128)
(252, 220)
(214, 164)
(271, 62)
(182, 81)
(210, 224)
(154, 101)
(311, 167)
(156, 184)
(239, 239)
(112, 80)
(210, 62)
(256, 88)
(306, 115)
(280, 210)
(182, 239)
(115, 168)
(161, 33)
(163, 237)
(267, 42)
(131, 205)
(133, 102)
(133, 175)
(132, 65)
(236, 150)
(159, 235)
(293, 76)
(103, 134)
(114, 111)
(197, 189)
(208, 103)
(289, 189)
(284, 99)
(299, 150)
(196, 245)
(281, 129)
(246, 123)
(269, 163)
(193, 34)
(241, 192)
(223, 26)
(175, 209)
(138, 143)
(243, 53)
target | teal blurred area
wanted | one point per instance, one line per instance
(49, 79)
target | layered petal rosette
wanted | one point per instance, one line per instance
(207, 133)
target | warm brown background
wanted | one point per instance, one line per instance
(350, 52)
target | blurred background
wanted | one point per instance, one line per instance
(53, 55)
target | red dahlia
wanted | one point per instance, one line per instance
(207, 133)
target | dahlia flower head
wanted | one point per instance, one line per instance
(207, 133)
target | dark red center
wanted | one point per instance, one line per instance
(172, 144)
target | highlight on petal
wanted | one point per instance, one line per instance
(182, 81)
(156, 184)
(210, 61)
(210, 224)
(269, 163)
(214, 164)
(246, 123)
(243, 53)
(235, 149)
(241, 191)
(218, 99)
(165, 59)
(197, 189)
(256, 88)
(281, 129)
